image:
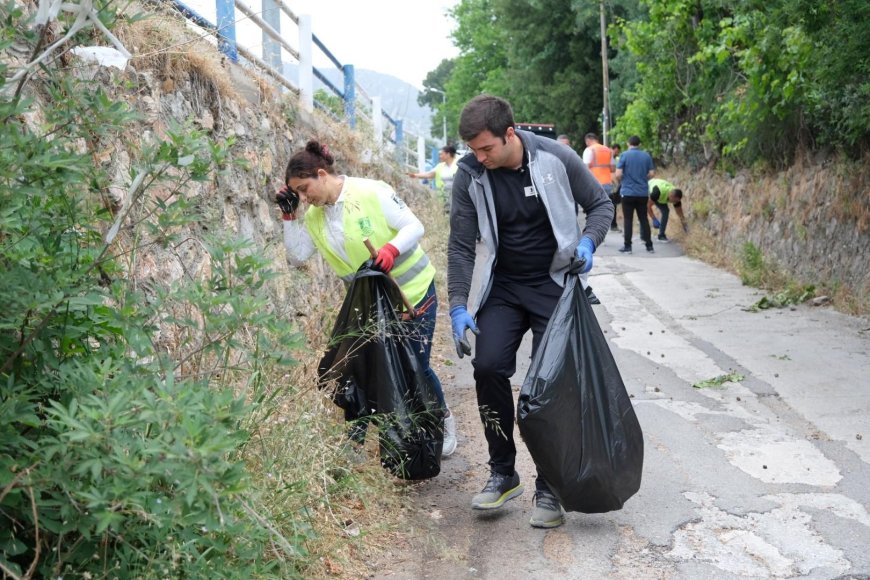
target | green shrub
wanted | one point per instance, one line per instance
(738, 83)
(121, 456)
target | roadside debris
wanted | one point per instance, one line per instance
(731, 377)
(787, 298)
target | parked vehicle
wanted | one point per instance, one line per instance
(543, 129)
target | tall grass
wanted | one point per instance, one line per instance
(158, 416)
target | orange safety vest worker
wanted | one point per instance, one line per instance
(601, 164)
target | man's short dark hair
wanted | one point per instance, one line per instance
(485, 113)
(678, 193)
(592, 136)
(634, 140)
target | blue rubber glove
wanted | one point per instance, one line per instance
(584, 253)
(461, 321)
(656, 223)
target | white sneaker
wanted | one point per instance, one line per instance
(449, 436)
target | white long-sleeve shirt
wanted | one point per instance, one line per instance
(300, 246)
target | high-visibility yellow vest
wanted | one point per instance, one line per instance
(665, 189)
(362, 217)
(444, 177)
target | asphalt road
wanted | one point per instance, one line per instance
(765, 476)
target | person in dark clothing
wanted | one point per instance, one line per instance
(633, 170)
(615, 196)
(520, 190)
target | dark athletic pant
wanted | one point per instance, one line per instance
(666, 211)
(608, 189)
(613, 199)
(510, 310)
(630, 206)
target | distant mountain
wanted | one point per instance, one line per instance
(398, 98)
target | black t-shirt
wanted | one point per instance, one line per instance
(526, 243)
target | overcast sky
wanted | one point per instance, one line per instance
(403, 38)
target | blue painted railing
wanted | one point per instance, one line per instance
(273, 42)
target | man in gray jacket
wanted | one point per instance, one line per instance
(519, 191)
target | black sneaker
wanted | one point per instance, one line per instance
(649, 248)
(593, 299)
(625, 249)
(497, 491)
(548, 512)
(615, 229)
(663, 238)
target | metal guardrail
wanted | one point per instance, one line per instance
(268, 20)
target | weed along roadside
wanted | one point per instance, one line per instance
(159, 410)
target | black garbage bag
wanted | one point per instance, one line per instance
(374, 372)
(575, 415)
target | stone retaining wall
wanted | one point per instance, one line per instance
(812, 220)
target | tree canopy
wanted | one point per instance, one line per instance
(542, 56)
(701, 81)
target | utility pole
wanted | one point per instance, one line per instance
(605, 110)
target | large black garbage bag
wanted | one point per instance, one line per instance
(575, 414)
(374, 372)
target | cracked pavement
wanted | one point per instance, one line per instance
(762, 476)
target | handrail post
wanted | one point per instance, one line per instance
(271, 49)
(349, 95)
(400, 134)
(226, 28)
(421, 154)
(377, 122)
(306, 69)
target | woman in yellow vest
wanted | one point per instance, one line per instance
(443, 174)
(343, 211)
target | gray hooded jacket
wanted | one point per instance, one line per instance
(561, 179)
